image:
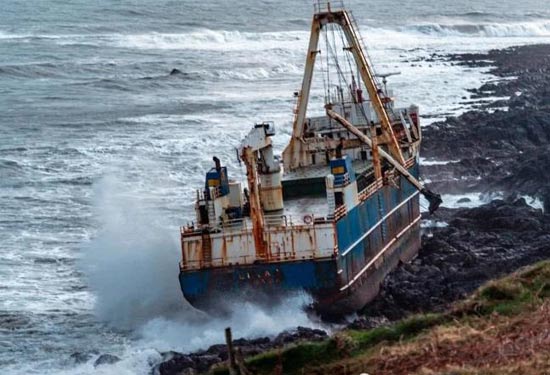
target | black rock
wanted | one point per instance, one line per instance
(298, 334)
(106, 359)
(480, 244)
(80, 357)
(175, 363)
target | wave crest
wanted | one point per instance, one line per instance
(525, 29)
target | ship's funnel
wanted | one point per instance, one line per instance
(434, 199)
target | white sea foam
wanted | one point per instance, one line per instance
(492, 30)
(203, 39)
(534, 202)
(469, 200)
(209, 39)
(131, 266)
(424, 161)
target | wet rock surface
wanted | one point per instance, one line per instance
(500, 151)
(177, 363)
(479, 244)
(494, 149)
(106, 359)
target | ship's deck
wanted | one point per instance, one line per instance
(297, 208)
(321, 171)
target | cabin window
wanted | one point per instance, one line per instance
(313, 158)
(363, 155)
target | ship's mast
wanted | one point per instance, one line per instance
(295, 156)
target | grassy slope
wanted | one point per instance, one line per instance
(503, 328)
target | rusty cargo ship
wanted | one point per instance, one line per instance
(334, 214)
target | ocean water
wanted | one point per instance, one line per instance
(101, 150)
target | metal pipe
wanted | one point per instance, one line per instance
(433, 198)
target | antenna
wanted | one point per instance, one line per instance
(384, 77)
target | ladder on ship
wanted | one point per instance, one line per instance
(206, 248)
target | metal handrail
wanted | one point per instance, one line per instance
(340, 212)
(410, 162)
(371, 189)
(324, 6)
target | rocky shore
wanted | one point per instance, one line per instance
(178, 363)
(505, 145)
(500, 147)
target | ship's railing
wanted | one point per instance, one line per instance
(340, 212)
(239, 223)
(278, 220)
(370, 190)
(322, 6)
(410, 162)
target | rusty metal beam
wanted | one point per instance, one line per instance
(293, 153)
(375, 155)
(343, 19)
(256, 213)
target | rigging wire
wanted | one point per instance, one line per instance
(328, 63)
(335, 56)
(325, 88)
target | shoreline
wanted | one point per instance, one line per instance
(479, 243)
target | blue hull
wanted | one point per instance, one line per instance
(373, 238)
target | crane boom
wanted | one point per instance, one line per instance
(295, 155)
(433, 198)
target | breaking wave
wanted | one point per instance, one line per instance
(227, 40)
(132, 269)
(201, 39)
(520, 29)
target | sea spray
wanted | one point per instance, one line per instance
(132, 266)
(132, 263)
(190, 332)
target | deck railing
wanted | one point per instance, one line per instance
(244, 224)
(370, 190)
(321, 6)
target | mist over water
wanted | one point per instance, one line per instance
(101, 150)
(131, 264)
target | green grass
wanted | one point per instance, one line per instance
(294, 357)
(507, 296)
(401, 330)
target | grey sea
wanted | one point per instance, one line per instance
(110, 112)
